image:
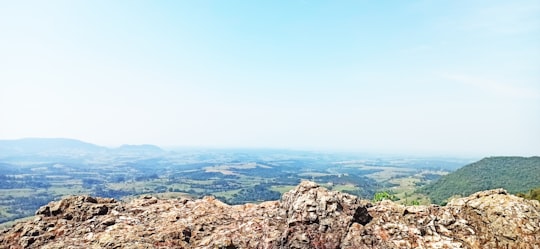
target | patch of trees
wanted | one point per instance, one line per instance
(533, 194)
(430, 177)
(203, 175)
(257, 193)
(20, 207)
(290, 179)
(89, 183)
(111, 193)
(146, 177)
(385, 195)
(364, 193)
(224, 185)
(12, 182)
(365, 186)
(266, 172)
(191, 166)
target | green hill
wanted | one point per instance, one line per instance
(515, 174)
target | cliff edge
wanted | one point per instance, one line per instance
(308, 216)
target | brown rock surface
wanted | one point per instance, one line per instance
(308, 216)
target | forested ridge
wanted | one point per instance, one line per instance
(515, 174)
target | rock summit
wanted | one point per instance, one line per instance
(308, 216)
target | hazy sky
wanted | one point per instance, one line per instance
(443, 77)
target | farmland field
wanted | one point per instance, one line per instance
(233, 176)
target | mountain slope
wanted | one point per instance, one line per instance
(515, 174)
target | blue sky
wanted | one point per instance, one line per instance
(422, 77)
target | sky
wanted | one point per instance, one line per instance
(424, 77)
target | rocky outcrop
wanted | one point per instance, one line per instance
(308, 216)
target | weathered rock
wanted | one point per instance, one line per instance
(308, 216)
(318, 218)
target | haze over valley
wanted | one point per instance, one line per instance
(347, 124)
(36, 171)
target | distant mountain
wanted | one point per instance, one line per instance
(51, 147)
(515, 174)
(30, 146)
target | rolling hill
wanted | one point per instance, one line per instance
(66, 147)
(515, 174)
(32, 146)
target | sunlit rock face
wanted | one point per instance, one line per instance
(308, 216)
